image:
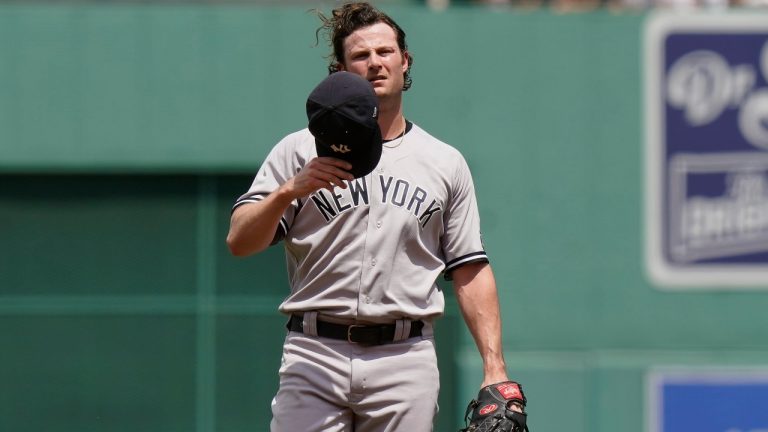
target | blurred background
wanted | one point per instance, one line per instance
(128, 129)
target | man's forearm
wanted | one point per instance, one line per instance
(478, 300)
(252, 226)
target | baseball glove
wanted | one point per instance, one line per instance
(491, 411)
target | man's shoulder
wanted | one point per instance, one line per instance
(297, 137)
(427, 138)
(435, 146)
(300, 141)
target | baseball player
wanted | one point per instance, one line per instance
(365, 241)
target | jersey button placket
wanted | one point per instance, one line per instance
(376, 211)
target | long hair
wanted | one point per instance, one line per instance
(351, 17)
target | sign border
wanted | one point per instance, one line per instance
(658, 376)
(657, 26)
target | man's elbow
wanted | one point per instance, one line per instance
(238, 248)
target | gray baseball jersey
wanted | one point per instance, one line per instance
(372, 252)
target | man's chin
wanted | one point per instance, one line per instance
(385, 93)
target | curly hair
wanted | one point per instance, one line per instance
(351, 17)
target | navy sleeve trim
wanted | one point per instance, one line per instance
(246, 200)
(460, 261)
(280, 232)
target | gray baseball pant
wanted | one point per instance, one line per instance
(329, 385)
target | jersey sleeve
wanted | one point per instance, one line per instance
(462, 240)
(282, 163)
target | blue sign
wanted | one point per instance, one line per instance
(708, 402)
(707, 150)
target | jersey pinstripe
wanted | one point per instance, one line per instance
(372, 252)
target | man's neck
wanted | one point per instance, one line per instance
(391, 121)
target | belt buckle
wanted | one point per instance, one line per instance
(349, 332)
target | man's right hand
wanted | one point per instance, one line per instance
(318, 173)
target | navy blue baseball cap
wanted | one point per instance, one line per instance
(343, 113)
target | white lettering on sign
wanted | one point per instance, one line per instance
(739, 215)
(753, 119)
(702, 84)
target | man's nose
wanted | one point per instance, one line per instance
(374, 61)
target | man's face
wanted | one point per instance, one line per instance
(372, 52)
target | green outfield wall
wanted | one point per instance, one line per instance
(127, 131)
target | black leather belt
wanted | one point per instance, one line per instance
(361, 334)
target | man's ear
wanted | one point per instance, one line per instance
(406, 61)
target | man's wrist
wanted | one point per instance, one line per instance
(495, 371)
(285, 194)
